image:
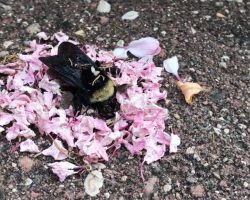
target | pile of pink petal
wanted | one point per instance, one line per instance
(30, 98)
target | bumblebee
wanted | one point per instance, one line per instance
(84, 78)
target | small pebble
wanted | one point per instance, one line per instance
(120, 43)
(245, 184)
(3, 54)
(163, 33)
(197, 191)
(225, 58)
(223, 64)
(176, 116)
(167, 187)
(7, 44)
(190, 150)
(131, 15)
(104, 20)
(80, 34)
(226, 130)
(107, 195)
(28, 182)
(103, 7)
(33, 28)
(14, 190)
(124, 178)
(13, 164)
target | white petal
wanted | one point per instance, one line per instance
(120, 53)
(93, 183)
(171, 65)
(103, 7)
(175, 141)
(131, 15)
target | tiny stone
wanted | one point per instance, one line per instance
(197, 191)
(155, 28)
(219, 126)
(13, 164)
(190, 150)
(104, 20)
(245, 184)
(120, 43)
(163, 33)
(191, 180)
(33, 28)
(130, 15)
(28, 182)
(197, 157)
(219, 4)
(167, 187)
(226, 130)
(223, 184)
(14, 190)
(225, 58)
(7, 44)
(242, 126)
(195, 12)
(107, 195)
(193, 31)
(223, 64)
(3, 54)
(217, 175)
(176, 116)
(80, 33)
(103, 7)
(124, 178)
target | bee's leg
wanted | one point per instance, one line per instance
(85, 111)
(77, 103)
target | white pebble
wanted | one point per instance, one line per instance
(131, 15)
(103, 7)
(167, 187)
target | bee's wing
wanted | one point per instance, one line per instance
(73, 52)
(62, 68)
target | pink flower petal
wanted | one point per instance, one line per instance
(147, 46)
(63, 169)
(5, 118)
(56, 150)
(29, 146)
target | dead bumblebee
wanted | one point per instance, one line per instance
(88, 83)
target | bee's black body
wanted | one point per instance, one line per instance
(88, 83)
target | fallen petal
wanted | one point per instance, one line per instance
(147, 46)
(120, 53)
(29, 146)
(63, 169)
(189, 90)
(93, 183)
(171, 65)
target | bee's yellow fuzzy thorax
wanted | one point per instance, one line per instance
(104, 93)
